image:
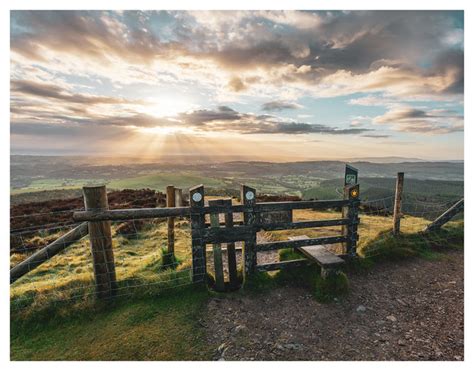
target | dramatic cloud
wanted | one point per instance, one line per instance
(413, 120)
(163, 72)
(55, 92)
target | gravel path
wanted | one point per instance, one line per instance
(408, 310)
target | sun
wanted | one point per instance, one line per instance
(166, 106)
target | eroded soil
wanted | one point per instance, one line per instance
(405, 310)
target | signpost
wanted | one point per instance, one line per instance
(350, 177)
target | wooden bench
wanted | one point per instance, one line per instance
(328, 261)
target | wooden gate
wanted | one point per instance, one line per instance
(216, 232)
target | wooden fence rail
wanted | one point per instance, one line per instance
(48, 252)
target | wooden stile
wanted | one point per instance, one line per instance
(196, 201)
(217, 251)
(248, 197)
(100, 234)
(231, 258)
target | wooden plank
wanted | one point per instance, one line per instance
(198, 247)
(303, 224)
(150, 213)
(248, 197)
(231, 257)
(217, 252)
(283, 265)
(130, 214)
(446, 216)
(227, 234)
(318, 253)
(170, 202)
(48, 252)
(294, 244)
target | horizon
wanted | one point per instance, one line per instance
(279, 86)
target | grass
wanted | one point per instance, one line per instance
(159, 181)
(160, 328)
(155, 322)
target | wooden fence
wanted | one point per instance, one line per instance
(96, 222)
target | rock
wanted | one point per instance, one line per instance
(239, 329)
(361, 308)
(222, 347)
(293, 346)
(221, 359)
(391, 318)
(401, 342)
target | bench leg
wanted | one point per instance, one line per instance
(328, 272)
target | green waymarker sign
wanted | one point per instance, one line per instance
(350, 177)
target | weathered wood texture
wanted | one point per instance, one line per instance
(397, 206)
(227, 234)
(95, 198)
(130, 214)
(149, 213)
(275, 217)
(216, 249)
(248, 197)
(297, 263)
(268, 246)
(351, 212)
(318, 253)
(303, 224)
(446, 216)
(48, 252)
(196, 201)
(170, 202)
(178, 196)
(231, 257)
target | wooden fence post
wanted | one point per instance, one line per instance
(231, 258)
(248, 197)
(100, 234)
(397, 206)
(178, 195)
(170, 202)
(217, 249)
(196, 202)
(351, 212)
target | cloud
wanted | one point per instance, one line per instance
(376, 136)
(279, 106)
(221, 119)
(236, 84)
(412, 120)
(44, 90)
(400, 53)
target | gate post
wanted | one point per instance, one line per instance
(100, 234)
(196, 202)
(170, 202)
(351, 212)
(397, 206)
(248, 197)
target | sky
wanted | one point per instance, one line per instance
(263, 85)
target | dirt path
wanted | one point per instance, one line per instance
(409, 310)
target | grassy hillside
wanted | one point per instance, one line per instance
(53, 314)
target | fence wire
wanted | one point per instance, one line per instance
(143, 267)
(142, 264)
